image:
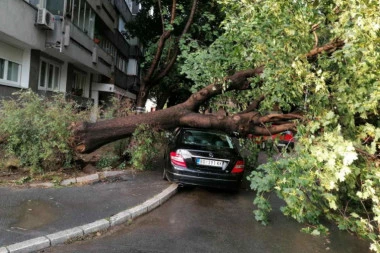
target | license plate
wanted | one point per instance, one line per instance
(281, 145)
(206, 162)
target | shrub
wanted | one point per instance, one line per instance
(107, 161)
(144, 146)
(325, 178)
(35, 130)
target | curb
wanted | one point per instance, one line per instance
(60, 237)
(92, 178)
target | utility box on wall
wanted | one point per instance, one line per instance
(45, 20)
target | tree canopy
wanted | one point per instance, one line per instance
(323, 58)
(317, 63)
(167, 29)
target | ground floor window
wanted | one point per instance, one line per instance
(49, 75)
(10, 72)
(79, 82)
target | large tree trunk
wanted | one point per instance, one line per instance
(162, 99)
(90, 136)
(142, 97)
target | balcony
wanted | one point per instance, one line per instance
(122, 7)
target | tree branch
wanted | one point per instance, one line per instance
(160, 47)
(329, 48)
(237, 81)
(275, 129)
(162, 16)
(279, 117)
(254, 105)
(169, 66)
(244, 124)
(190, 20)
(313, 30)
(174, 7)
(366, 154)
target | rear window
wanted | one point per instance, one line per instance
(200, 138)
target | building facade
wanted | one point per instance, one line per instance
(78, 47)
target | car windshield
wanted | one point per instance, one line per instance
(210, 139)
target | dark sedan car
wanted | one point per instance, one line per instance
(203, 157)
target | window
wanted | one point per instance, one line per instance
(122, 64)
(9, 72)
(53, 6)
(107, 46)
(83, 16)
(129, 3)
(122, 29)
(2, 62)
(78, 84)
(12, 71)
(200, 138)
(49, 75)
(132, 67)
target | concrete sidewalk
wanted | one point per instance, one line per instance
(36, 218)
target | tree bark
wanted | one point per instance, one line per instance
(90, 136)
(142, 96)
(151, 78)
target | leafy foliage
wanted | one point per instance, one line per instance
(168, 33)
(107, 161)
(335, 170)
(36, 130)
(145, 145)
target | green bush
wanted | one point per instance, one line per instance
(326, 178)
(36, 130)
(144, 146)
(249, 151)
(107, 161)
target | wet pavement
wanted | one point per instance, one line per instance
(204, 220)
(30, 213)
(194, 220)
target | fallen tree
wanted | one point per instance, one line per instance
(90, 136)
(320, 57)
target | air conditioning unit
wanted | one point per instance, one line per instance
(45, 20)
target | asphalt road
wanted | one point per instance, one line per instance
(29, 213)
(203, 220)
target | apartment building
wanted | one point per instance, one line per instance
(78, 47)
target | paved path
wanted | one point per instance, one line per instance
(202, 220)
(30, 213)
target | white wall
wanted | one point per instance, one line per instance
(20, 56)
(25, 68)
(17, 20)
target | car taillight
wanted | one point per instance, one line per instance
(288, 136)
(238, 168)
(177, 159)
